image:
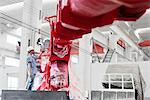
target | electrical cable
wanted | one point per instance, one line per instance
(21, 23)
(30, 27)
(33, 29)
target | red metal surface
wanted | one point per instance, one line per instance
(98, 48)
(75, 48)
(92, 8)
(121, 43)
(144, 43)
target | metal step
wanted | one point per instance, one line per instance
(108, 56)
(33, 95)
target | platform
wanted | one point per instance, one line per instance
(33, 95)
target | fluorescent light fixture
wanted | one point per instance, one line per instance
(106, 32)
(12, 40)
(13, 62)
(49, 1)
(45, 24)
(143, 30)
(127, 23)
(12, 6)
(8, 25)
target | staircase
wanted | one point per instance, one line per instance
(33, 95)
(108, 56)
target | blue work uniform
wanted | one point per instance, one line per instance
(31, 59)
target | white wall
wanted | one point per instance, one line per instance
(6, 50)
(4, 73)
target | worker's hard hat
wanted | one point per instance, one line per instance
(30, 48)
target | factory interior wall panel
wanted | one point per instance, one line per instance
(8, 53)
(3, 79)
(4, 73)
(120, 50)
(97, 72)
(75, 76)
(113, 41)
(99, 69)
(127, 52)
(5, 45)
(7, 50)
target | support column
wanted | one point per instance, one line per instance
(85, 60)
(112, 43)
(31, 16)
(36, 21)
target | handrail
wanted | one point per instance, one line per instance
(107, 54)
(112, 50)
(96, 52)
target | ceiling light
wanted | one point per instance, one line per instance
(127, 24)
(8, 25)
(143, 30)
(49, 1)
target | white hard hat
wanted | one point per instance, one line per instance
(30, 48)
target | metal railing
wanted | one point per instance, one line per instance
(116, 88)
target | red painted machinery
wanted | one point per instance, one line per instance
(75, 18)
(144, 43)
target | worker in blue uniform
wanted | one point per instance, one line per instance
(31, 67)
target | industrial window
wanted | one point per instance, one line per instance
(12, 82)
(9, 61)
(12, 40)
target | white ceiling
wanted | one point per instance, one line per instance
(49, 8)
(144, 21)
(145, 36)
